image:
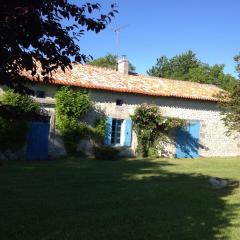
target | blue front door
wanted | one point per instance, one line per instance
(187, 140)
(37, 141)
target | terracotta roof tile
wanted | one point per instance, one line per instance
(92, 77)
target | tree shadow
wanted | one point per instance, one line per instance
(187, 145)
(170, 205)
(143, 199)
(129, 199)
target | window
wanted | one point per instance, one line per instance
(119, 102)
(40, 94)
(116, 131)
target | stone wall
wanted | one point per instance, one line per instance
(213, 138)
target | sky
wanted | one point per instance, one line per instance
(153, 28)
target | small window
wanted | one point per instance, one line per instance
(116, 131)
(119, 102)
(40, 94)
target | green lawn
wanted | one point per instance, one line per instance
(126, 199)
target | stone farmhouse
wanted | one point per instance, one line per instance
(118, 93)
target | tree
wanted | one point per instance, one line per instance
(109, 61)
(46, 32)
(231, 109)
(187, 67)
(212, 75)
(176, 68)
(230, 104)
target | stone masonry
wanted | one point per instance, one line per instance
(213, 138)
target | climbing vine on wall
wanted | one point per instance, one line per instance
(71, 106)
(152, 128)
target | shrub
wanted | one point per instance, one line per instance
(72, 132)
(13, 134)
(13, 131)
(106, 153)
(23, 102)
(152, 128)
(100, 130)
(72, 103)
(153, 152)
(71, 106)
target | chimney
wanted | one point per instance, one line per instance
(123, 65)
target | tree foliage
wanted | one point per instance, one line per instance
(109, 61)
(188, 67)
(73, 103)
(237, 61)
(13, 130)
(230, 105)
(23, 103)
(71, 106)
(47, 32)
(100, 131)
(13, 135)
(176, 68)
(151, 127)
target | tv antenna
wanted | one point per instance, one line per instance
(117, 31)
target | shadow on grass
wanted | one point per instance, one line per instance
(136, 199)
(177, 205)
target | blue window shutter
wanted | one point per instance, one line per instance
(108, 133)
(187, 140)
(128, 133)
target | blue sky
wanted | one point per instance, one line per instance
(168, 27)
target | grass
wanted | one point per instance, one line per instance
(127, 199)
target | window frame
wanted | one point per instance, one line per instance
(116, 130)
